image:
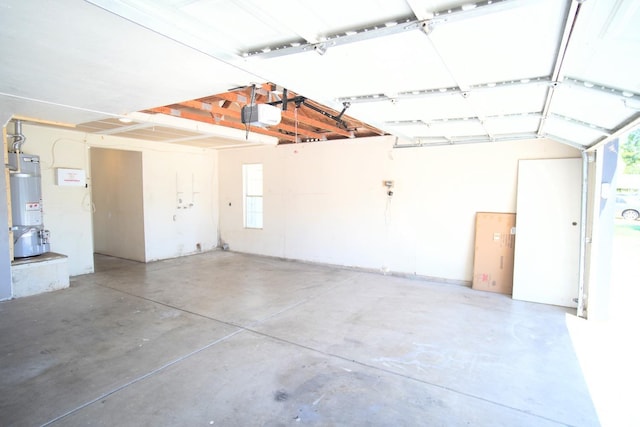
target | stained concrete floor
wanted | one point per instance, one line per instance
(228, 339)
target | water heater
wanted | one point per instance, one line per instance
(29, 236)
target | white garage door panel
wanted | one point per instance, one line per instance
(548, 231)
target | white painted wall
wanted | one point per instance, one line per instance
(118, 203)
(325, 202)
(68, 210)
(180, 201)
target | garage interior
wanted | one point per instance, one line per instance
(267, 213)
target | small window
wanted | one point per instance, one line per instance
(252, 183)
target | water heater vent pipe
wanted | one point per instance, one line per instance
(18, 138)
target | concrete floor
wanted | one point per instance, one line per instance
(237, 340)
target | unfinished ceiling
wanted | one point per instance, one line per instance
(302, 120)
(429, 72)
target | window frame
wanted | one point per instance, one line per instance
(253, 196)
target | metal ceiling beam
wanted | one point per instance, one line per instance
(444, 91)
(591, 126)
(465, 11)
(426, 21)
(420, 122)
(627, 126)
(608, 90)
(557, 74)
(338, 39)
(474, 139)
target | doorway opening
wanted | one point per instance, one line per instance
(118, 216)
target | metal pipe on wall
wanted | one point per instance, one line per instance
(18, 137)
(581, 311)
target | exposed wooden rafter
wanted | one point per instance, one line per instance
(303, 120)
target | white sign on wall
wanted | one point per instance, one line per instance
(71, 177)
